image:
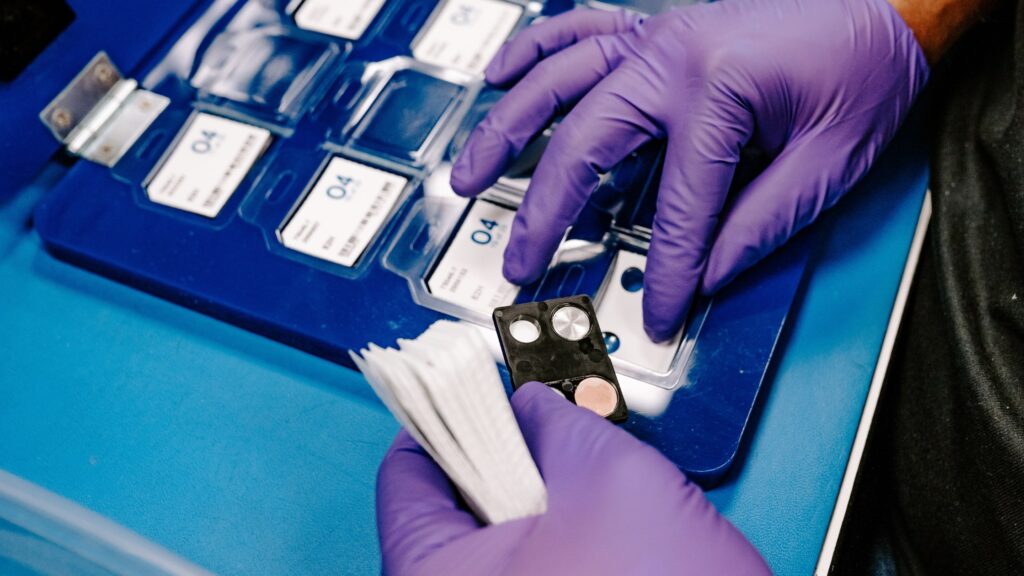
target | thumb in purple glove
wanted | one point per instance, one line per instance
(820, 86)
(615, 506)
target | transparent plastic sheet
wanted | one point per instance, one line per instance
(608, 271)
(264, 71)
(257, 66)
(374, 85)
(42, 533)
(450, 251)
(266, 65)
(398, 112)
(349, 203)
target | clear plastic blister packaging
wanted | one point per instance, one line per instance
(314, 121)
(388, 127)
(262, 73)
(451, 254)
(399, 111)
(459, 35)
(317, 122)
(259, 68)
(295, 180)
(465, 35)
(328, 211)
(194, 166)
(451, 251)
(344, 20)
(517, 176)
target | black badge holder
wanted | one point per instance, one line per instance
(560, 343)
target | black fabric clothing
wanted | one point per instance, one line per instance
(942, 486)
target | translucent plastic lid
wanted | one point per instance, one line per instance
(42, 533)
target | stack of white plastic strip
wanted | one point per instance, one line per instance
(444, 388)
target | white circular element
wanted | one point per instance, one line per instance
(524, 330)
(571, 323)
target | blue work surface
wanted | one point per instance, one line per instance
(249, 457)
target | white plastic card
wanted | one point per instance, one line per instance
(469, 273)
(207, 164)
(466, 34)
(620, 312)
(347, 19)
(343, 212)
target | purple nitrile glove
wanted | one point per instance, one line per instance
(820, 85)
(615, 506)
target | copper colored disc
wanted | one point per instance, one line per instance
(597, 394)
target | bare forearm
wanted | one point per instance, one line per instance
(938, 23)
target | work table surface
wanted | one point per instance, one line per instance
(248, 457)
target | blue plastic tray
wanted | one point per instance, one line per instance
(232, 266)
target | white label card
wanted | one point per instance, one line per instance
(466, 34)
(343, 212)
(207, 164)
(621, 313)
(342, 18)
(469, 273)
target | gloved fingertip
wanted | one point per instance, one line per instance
(534, 397)
(659, 334)
(529, 391)
(712, 280)
(709, 285)
(462, 178)
(406, 465)
(481, 161)
(497, 73)
(662, 319)
(517, 268)
(404, 441)
(726, 261)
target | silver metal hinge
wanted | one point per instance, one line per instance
(100, 114)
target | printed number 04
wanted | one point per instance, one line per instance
(343, 186)
(206, 141)
(464, 15)
(484, 237)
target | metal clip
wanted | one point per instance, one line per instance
(100, 114)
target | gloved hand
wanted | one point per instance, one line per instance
(819, 85)
(615, 506)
